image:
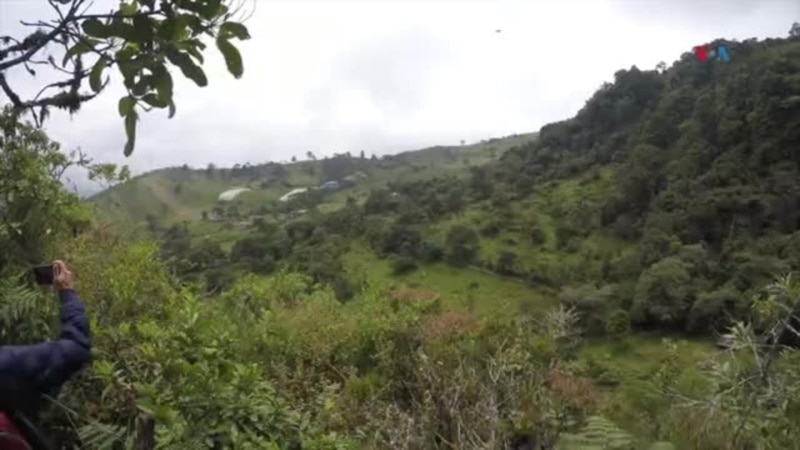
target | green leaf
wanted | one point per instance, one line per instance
(233, 29)
(143, 29)
(146, 406)
(143, 85)
(153, 100)
(193, 22)
(195, 51)
(168, 29)
(233, 59)
(163, 82)
(127, 9)
(95, 28)
(171, 109)
(130, 132)
(96, 75)
(210, 9)
(84, 46)
(188, 67)
(121, 29)
(131, 68)
(126, 105)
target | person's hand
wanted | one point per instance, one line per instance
(62, 277)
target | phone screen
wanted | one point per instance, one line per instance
(43, 274)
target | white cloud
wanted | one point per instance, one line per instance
(385, 76)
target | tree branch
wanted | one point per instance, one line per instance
(10, 93)
(38, 43)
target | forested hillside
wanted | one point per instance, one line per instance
(671, 197)
(564, 293)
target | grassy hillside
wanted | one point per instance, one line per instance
(182, 194)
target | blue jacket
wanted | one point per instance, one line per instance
(29, 371)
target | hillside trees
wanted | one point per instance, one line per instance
(700, 160)
(144, 39)
(337, 167)
(462, 245)
(34, 207)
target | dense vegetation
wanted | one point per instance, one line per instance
(671, 197)
(668, 204)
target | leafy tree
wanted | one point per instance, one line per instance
(715, 311)
(431, 252)
(294, 159)
(462, 245)
(177, 241)
(506, 262)
(481, 183)
(537, 234)
(664, 294)
(310, 155)
(402, 240)
(590, 303)
(379, 201)
(337, 167)
(403, 264)
(144, 39)
(34, 207)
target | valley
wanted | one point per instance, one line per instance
(622, 279)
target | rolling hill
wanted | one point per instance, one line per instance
(181, 194)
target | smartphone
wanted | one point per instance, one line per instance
(43, 274)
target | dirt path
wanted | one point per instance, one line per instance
(166, 196)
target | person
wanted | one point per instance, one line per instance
(30, 374)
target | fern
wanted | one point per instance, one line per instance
(599, 433)
(661, 445)
(25, 314)
(100, 436)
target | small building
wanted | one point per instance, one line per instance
(330, 185)
(231, 194)
(292, 193)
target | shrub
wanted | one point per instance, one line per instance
(403, 264)
(715, 311)
(462, 245)
(618, 323)
(591, 303)
(664, 294)
(537, 235)
(506, 262)
(431, 252)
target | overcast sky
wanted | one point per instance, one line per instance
(385, 76)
